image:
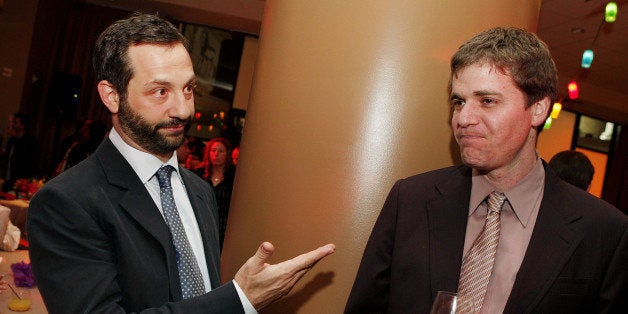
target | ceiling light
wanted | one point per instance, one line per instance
(611, 12)
(587, 58)
(573, 90)
(556, 110)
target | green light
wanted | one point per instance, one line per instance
(548, 123)
(611, 12)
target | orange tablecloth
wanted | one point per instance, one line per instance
(8, 258)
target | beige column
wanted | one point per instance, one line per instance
(347, 97)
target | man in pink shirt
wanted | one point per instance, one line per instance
(559, 249)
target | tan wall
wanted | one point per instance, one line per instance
(16, 27)
(345, 100)
(558, 137)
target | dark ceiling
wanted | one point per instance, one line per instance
(570, 27)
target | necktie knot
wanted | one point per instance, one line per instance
(496, 201)
(163, 175)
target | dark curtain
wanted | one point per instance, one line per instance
(64, 35)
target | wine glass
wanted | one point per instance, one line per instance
(445, 303)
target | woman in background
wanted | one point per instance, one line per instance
(217, 169)
(91, 135)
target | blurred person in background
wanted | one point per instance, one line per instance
(192, 147)
(90, 136)
(235, 155)
(217, 169)
(573, 167)
(21, 152)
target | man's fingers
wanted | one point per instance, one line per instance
(309, 259)
(264, 252)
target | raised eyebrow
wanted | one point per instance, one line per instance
(158, 83)
(163, 83)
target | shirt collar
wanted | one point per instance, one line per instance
(144, 164)
(521, 197)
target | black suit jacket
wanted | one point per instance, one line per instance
(99, 244)
(576, 261)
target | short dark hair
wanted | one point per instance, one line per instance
(110, 57)
(516, 52)
(573, 167)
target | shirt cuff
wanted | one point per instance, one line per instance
(246, 304)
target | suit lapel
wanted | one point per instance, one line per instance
(137, 202)
(447, 215)
(134, 198)
(553, 242)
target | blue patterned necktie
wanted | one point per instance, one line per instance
(190, 274)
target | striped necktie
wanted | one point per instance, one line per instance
(477, 265)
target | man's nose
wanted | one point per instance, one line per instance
(182, 106)
(467, 114)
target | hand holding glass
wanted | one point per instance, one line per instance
(445, 303)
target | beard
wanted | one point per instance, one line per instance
(147, 135)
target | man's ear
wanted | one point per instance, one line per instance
(540, 109)
(109, 96)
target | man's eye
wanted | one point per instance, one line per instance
(488, 101)
(457, 103)
(160, 92)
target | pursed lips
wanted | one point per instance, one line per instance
(466, 136)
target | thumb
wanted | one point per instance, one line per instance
(264, 252)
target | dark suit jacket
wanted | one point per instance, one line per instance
(99, 244)
(576, 260)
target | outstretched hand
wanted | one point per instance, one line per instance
(264, 283)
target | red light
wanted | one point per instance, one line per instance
(573, 90)
(197, 115)
(198, 127)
